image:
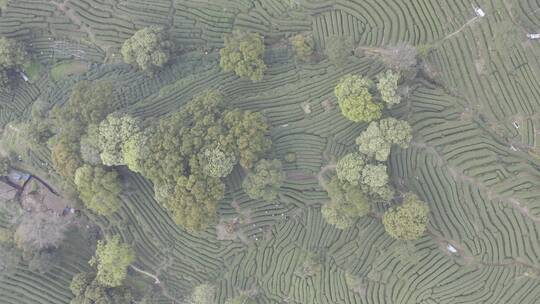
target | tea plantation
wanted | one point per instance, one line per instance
(473, 104)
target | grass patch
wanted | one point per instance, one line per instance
(68, 68)
(33, 69)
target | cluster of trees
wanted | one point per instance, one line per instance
(356, 100)
(361, 176)
(106, 284)
(84, 139)
(12, 58)
(186, 154)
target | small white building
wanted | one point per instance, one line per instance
(24, 77)
(479, 12)
(533, 36)
(451, 248)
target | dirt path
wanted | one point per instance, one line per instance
(156, 279)
(471, 21)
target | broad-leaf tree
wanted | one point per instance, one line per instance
(355, 100)
(349, 168)
(65, 155)
(193, 200)
(112, 259)
(114, 132)
(217, 163)
(89, 103)
(88, 290)
(377, 140)
(246, 135)
(149, 48)
(265, 180)
(243, 54)
(347, 203)
(407, 221)
(387, 85)
(99, 188)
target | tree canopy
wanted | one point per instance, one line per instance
(375, 177)
(99, 188)
(387, 85)
(349, 168)
(217, 163)
(347, 202)
(355, 100)
(193, 200)
(89, 146)
(408, 221)
(265, 180)
(65, 155)
(112, 259)
(88, 290)
(149, 48)
(88, 103)
(12, 56)
(242, 55)
(247, 135)
(114, 132)
(377, 140)
(186, 153)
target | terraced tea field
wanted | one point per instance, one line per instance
(474, 158)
